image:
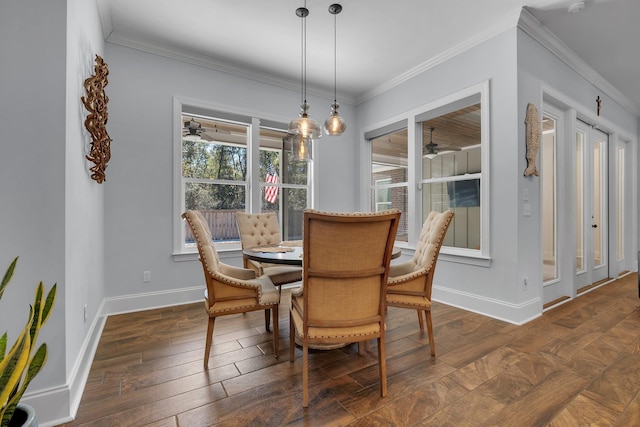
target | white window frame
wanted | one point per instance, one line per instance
(413, 117)
(182, 252)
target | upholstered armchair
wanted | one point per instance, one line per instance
(230, 289)
(262, 229)
(410, 283)
(345, 267)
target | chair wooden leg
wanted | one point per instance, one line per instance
(361, 345)
(432, 342)
(382, 362)
(207, 347)
(276, 338)
(305, 375)
(420, 321)
(267, 319)
(292, 338)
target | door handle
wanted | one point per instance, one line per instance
(594, 225)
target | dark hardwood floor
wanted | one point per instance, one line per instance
(577, 365)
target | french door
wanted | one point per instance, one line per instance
(591, 206)
(574, 208)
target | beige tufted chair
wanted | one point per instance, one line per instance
(230, 289)
(262, 229)
(410, 283)
(345, 267)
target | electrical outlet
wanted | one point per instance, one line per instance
(86, 315)
(526, 282)
(146, 276)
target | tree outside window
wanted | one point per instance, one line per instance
(216, 179)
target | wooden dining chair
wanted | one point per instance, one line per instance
(346, 260)
(262, 229)
(230, 289)
(409, 284)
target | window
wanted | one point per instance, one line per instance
(435, 158)
(226, 163)
(283, 183)
(389, 175)
(452, 173)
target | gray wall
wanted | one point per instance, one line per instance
(52, 212)
(488, 289)
(32, 173)
(540, 73)
(139, 191)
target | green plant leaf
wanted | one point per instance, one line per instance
(48, 304)
(35, 366)
(7, 276)
(37, 309)
(3, 346)
(12, 367)
(17, 367)
(6, 414)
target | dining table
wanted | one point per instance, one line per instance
(287, 252)
(290, 253)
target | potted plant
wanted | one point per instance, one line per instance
(20, 364)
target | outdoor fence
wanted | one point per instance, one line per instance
(224, 226)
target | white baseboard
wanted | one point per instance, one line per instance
(151, 300)
(517, 314)
(59, 405)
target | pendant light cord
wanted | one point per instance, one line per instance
(304, 56)
(335, 58)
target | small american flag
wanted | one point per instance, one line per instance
(270, 191)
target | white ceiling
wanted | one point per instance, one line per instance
(380, 43)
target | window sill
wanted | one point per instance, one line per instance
(225, 253)
(185, 256)
(459, 256)
(477, 260)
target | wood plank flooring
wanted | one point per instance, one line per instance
(577, 365)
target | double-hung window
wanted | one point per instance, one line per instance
(226, 163)
(435, 158)
(452, 172)
(389, 176)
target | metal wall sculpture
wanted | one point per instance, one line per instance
(96, 121)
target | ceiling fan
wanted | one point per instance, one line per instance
(192, 128)
(431, 150)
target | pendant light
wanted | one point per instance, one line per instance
(304, 125)
(335, 125)
(299, 148)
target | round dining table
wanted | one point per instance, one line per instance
(286, 253)
(290, 253)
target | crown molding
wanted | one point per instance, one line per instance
(509, 22)
(104, 12)
(121, 39)
(541, 34)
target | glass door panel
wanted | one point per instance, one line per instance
(597, 204)
(579, 190)
(549, 200)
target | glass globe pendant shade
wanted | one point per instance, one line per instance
(304, 125)
(300, 148)
(334, 125)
